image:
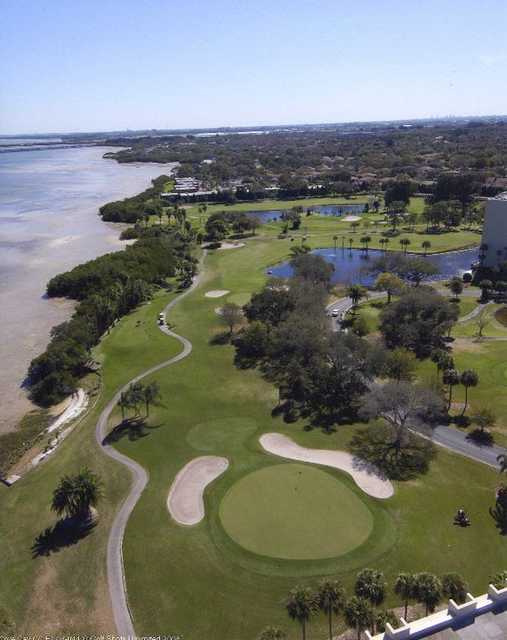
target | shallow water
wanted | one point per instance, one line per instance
(352, 265)
(49, 203)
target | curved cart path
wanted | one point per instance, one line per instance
(185, 501)
(367, 479)
(115, 569)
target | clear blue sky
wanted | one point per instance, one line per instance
(84, 65)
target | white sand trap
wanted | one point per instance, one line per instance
(218, 311)
(351, 218)
(77, 405)
(366, 478)
(185, 500)
(231, 245)
(216, 293)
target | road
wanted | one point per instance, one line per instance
(115, 569)
(343, 305)
(457, 441)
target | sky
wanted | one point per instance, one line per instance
(88, 65)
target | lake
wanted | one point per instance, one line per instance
(352, 265)
(49, 202)
(321, 209)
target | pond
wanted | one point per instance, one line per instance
(352, 265)
(336, 210)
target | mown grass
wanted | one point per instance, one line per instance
(180, 568)
(197, 581)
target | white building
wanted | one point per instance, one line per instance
(494, 233)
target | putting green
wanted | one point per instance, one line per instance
(295, 512)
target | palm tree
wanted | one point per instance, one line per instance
(365, 240)
(75, 495)
(350, 244)
(331, 599)
(301, 604)
(151, 394)
(358, 614)
(335, 240)
(355, 292)
(450, 378)
(426, 245)
(404, 587)
(484, 418)
(428, 590)
(404, 243)
(382, 242)
(469, 378)
(371, 586)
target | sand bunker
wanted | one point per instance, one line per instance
(216, 293)
(366, 478)
(185, 501)
(351, 218)
(231, 245)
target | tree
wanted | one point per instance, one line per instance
(442, 359)
(392, 446)
(355, 225)
(231, 315)
(426, 245)
(356, 292)
(454, 587)
(456, 286)
(417, 269)
(371, 586)
(151, 395)
(75, 495)
(481, 322)
(428, 590)
(502, 461)
(272, 633)
(335, 240)
(301, 604)
(390, 283)
(358, 614)
(401, 364)
(313, 268)
(405, 242)
(365, 241)
(418, 321)
(404, 587)
(485, 287)
(469, 378)
(331, 600)
(451, 378)
(123, 403)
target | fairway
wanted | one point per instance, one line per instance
(295, 512)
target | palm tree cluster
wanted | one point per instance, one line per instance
(75, 495)
(452, 378)
(136, 396)
(360, 611)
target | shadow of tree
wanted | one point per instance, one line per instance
(65, 533)
(220, 338)
(131, 428)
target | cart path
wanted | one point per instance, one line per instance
(115, 568)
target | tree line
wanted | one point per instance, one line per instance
(361, 610)
(107, 288)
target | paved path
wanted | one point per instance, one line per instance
(456, 441)
(115, 568)
(343, 305)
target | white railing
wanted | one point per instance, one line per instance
(472, 607)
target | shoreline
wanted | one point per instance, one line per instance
(51, 228)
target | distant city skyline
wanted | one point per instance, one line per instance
(103, 66)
